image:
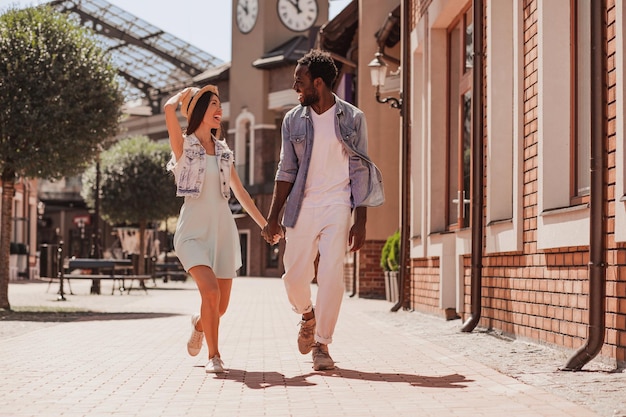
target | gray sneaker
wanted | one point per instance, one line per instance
(321, 359)
(306, 335)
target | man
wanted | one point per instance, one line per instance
(324, 175)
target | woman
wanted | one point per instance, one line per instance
(206, 239)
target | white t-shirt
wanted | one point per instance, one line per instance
(328, 178)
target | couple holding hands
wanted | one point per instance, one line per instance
(325, 181)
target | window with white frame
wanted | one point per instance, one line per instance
(562, 220)
(581, 103)
(460, 47)
(505, 125)
(244, 147)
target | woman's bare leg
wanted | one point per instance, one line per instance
(215, 296)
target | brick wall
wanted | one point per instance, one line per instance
(542, 295)
(615, 340)
(424, 290)
(370, 279)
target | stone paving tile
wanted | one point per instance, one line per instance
(127, 357)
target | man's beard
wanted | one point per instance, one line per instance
(310, 99)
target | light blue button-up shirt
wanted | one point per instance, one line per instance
(366, 183)
(189, 169)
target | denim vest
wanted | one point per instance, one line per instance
(189, 170)
(366, 183)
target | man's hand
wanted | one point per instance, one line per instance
(357, 231)
(273, 232)
(357, 236)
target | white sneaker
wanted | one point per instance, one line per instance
(194, 344)
(215, 365)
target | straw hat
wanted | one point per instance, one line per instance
(190, 99)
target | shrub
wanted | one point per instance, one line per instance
(390, 254)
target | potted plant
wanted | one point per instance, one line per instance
(390, 263)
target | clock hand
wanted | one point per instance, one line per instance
(244, 7)
(296, 4)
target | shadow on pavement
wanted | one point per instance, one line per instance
(69, 316)
(262, 380)
(447, 381)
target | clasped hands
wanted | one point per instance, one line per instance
(273, 232)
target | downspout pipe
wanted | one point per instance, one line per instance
(598, 197)
(404, 273)
(477, 171)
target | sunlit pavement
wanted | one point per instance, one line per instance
(128, 357)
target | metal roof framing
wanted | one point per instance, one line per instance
(150, 61)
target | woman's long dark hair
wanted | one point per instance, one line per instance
(198, 113)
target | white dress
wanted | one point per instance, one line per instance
(206, 233)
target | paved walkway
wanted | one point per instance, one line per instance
(125, 355)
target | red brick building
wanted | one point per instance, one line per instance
(523, 230)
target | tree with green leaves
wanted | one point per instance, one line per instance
(59, 103)
(135, 188)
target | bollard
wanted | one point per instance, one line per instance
(61, 296)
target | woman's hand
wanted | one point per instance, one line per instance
(177, 98)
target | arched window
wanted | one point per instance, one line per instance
(244, 146)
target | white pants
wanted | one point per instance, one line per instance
(323, 229)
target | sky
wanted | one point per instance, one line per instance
(205, 24)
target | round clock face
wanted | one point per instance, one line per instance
(247, 12)
(297, 15)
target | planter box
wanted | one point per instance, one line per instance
(391, 286)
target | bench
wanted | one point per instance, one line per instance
(116, 270)
(117, 279)
(170, 271)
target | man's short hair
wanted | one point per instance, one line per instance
(321, 65)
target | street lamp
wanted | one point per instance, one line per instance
(378, 72)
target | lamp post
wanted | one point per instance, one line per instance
(378, 72)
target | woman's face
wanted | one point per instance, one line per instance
(213, 115)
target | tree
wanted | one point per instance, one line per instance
(135, 188)
(59, 101)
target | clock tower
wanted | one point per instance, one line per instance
(258, 28)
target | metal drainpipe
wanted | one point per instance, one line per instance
(597, 244)
(404, 274)
(477, 174)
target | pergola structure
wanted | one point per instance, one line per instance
(150, 62)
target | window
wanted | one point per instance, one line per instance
(581, 102)
(460, 45)
(244, 147)
(562, 220)
(504, 78)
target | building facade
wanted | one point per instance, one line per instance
(23, 260)
(517, 170)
